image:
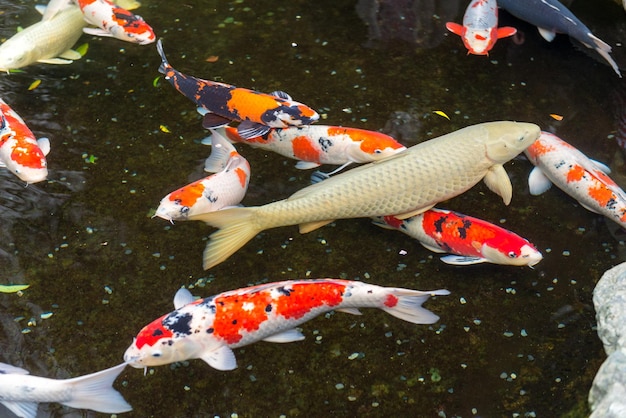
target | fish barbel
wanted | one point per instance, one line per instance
(404, 184)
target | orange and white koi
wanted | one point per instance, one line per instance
(226, 188)
(222, 103)
(20, 152)
(480, 29)
(210, 328)
(570, 170)
(115, 21)
(21, 392)
(472, 240)
(314, 145)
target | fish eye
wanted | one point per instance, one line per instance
(512, 254)
(184, 209)
(156, 354)
(378, 151)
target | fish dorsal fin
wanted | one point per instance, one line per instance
(281, 95)
(182, 297)
(413, 212)
(506, 31)
(53, 7)
(459, 260)
(248, 130)
(538, 182)
(497, 180)
(44, 145)
(212, 121)
(312, 226)
(221, 358)
(287, 336)
(22, 409)
(547, 34)
(351, 311)
(9, 369)
(601, 166)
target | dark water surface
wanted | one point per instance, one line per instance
(511, 341)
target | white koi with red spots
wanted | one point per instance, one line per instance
(314, 145)
(20, 152)
(470, 239)
(570, 170)
(405, 184)
(210, 328)
(480, 27)
(116, 22)
(223, 189)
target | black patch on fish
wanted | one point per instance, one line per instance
(559, 164)
(268, 308)
(439, 224)
(210, 331)
(282, 290)
(234, 322)
(157, 332)
(325, 143)
(463, 229)
(178, 323)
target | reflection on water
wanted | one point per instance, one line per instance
(95, 259)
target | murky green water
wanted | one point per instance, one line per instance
(511, 341)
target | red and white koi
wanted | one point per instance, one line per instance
(223, 189)
(115, 21)
(222, 103)
(472, 240)
(20, 152)
(210, 328)
(314, 145)
(582, 178)
(480, 27)
(21, 392)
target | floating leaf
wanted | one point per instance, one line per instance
(441, 113)
(15, 71)
(34, 85)
(13, 288)
(82, 50)
(556, 117)
(155, 82)
(212, 58)
(165, 129)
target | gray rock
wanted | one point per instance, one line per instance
(609, 300)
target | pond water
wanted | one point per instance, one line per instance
(511, 341)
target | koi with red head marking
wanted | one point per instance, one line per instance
(20, 152)
(223, 189)
(210, 328)
(584, 179)
(480, 27)
(471, 240)
(314, 145)
(114, 21)
(222, 103)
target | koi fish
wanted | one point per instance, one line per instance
(210, 328)
(21, 393)
(20, 152)
(222, 103)
(570, 170)
(315, 145)
(115, 21)
(480, 27)
(552, 17)
(404, 184)
(48, 41)
(472, 240)
(223, 189)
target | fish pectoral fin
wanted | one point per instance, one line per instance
(589, 208)
(70, 54)
(506, 31)
(538, 182)
(128, 4)
(9, 369)
(248, 130)
(56, 61)
(306, 165)
(432, 248)
(312, 226)
(455, 28)
(459, 260)
(547, 34)
(351, 311)
(221, 358)
(287, 336)
(182, 297)
(212, 121)
(2, 164)
(412, 213)
(44, 145)
(281, 95)
(497, 180)
(97, 32)
(221, 150)
(22, 409)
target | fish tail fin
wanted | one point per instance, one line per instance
(236, 228)
(406, 304)
(95, 391)
(165, 65)
(604, 50)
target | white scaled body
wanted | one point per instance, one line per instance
(45, 41)
(21, 392)
(404, 184)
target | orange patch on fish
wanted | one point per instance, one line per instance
(304, 150)
(152, 333)
(601, 194)
(305, 297)
(252, 105)
(576, 173)
(189, 194)
(241, 174)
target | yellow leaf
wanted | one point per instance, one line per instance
(82, 50)
(441, 113)
(556, 117)
(34, 85)
(13, 288)
(165, 129)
